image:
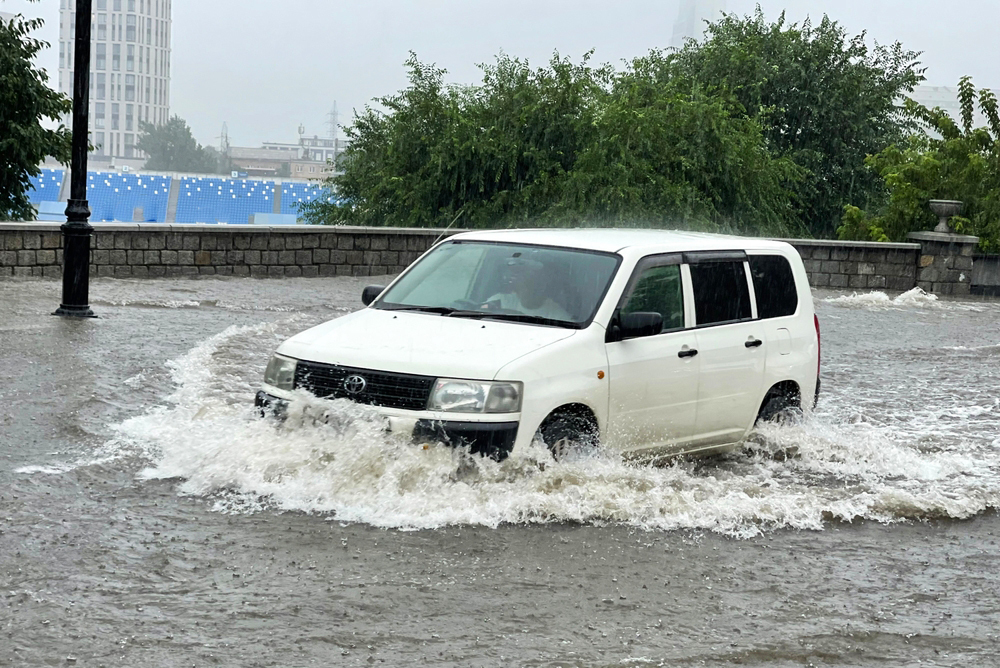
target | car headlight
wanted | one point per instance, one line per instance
(469, 396)
(281, 372)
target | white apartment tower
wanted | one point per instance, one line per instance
(691, 17)
(129, 69)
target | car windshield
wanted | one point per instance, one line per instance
(521, 283)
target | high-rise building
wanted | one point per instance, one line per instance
(946, 98)
(692, 16)
(129, 69)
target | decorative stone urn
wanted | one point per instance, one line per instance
(944, 209)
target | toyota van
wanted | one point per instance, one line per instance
(645, 342)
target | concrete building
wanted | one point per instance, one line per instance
(312, 158)
(946, 97)
(129, 69)
(321, 149)
(692, 16)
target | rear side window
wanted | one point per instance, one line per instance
(774, 286)
(659, 290)
(721, 293)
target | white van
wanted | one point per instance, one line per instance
(648, 342)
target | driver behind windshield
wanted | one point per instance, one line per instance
(527, 283)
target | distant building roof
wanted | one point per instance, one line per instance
(946, 97)
(246, 153)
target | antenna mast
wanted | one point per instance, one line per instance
(333, 121)
(224, 139)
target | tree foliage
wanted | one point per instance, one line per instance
(172, 148)
(957, 161)
(25, 103)
(667, 150)
(824, 99)
(759, 127)
(563, 144)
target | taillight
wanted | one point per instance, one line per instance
(819, 345)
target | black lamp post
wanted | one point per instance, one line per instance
(77, 229)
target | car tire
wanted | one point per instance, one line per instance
(780, 409)
(569, 434)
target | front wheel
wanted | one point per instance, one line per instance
(569, 434)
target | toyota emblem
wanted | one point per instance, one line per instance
(355, 384)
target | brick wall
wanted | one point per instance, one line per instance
(156, 250)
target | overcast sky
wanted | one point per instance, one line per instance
(265, 66)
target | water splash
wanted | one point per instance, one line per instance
(335, 459)
(916, 297)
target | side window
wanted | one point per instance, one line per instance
(659, 290)
(721, 293)
(774, 286)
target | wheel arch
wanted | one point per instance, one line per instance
(575, 409)
(789, 391)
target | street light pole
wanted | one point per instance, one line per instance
(77, 229)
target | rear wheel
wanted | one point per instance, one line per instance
(569, 433)
(781, 407)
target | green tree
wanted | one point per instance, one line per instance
(823, 99)
(25, 102)
(563, 144)
(172, 148)
(494, 152)
(957, 161)
(666, 151)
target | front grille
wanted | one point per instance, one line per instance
(381, 388)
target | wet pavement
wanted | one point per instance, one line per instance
(146, 517)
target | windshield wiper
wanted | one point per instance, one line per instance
(533, 320)
(441, 310)
(459, 313)
(448, 311)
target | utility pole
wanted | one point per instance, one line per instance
(77, 229)
(333, 121)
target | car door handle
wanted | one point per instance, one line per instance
(754, 343)
(687, 353)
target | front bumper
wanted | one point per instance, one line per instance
(490, 439)
(268, 404)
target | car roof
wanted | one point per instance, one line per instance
(616, 240)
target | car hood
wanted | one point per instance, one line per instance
(421, 343)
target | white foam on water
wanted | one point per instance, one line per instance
(334, 459)
(149, 303)
(55, 468)
(915, 298)
(878, 299)
(988, 350)
(250, 306)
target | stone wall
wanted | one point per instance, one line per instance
(946, 262)
(858, 264)
(986, 275)
(156, 250)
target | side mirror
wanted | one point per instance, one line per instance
(640, 323)
(371, 293)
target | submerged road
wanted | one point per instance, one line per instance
(146, 518)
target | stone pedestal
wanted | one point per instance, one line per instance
(945, 266)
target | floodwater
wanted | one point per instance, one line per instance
(146, 517)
